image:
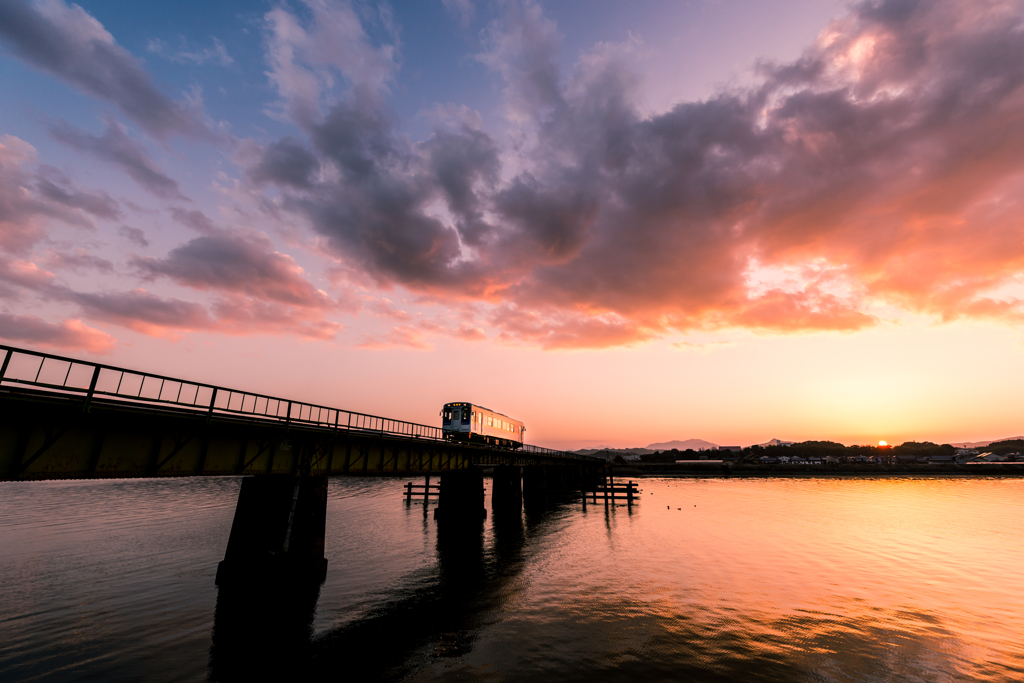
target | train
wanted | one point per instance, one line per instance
(470, 422)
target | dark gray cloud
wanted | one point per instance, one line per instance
(157, 316)
(232, 262)
(134, 235)
(116, 147)
(143, 311)
(285, 162)
(99, 204)
(67, 42)
(193, 218)
(462, 161)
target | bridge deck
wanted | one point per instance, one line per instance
(69, 418)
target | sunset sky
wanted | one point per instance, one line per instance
(621, 223)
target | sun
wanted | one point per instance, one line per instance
(882, 443)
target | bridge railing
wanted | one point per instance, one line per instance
(71, 376)
(23, 367)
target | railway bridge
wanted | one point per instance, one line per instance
(67, 418)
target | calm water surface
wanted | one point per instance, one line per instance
(708, 580)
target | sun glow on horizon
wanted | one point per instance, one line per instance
(882, 443)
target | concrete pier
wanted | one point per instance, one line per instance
(507, 489)
(278, 531)
(462, 496)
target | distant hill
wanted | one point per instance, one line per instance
(614, 451)
(695, 444)
(982, 444)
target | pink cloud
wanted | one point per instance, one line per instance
(68, 334)
(401, 336)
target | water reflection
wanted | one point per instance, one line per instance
(432, 613)
(707, 580)
(262, 631)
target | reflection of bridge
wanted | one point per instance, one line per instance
(64, 418)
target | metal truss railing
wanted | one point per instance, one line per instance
(72, 376)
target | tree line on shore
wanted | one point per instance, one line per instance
(823, 449)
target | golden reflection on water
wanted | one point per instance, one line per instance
(869, 579)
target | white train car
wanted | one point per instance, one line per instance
(469, 422)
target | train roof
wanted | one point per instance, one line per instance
(477, 405)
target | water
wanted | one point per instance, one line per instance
(707, 580)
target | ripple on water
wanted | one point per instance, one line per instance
(754, 580)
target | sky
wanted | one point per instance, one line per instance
(621, 223)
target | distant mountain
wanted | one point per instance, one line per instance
(614, 451)
(695, 444)
(776, 442)
(982, 444)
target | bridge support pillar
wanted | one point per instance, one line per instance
(506, 489)
(536, 486)
(462, 496)
(278, 531)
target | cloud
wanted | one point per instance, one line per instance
(555, 329)
(305, 56)
(134, 235)
(68, 334)
(186, 54)
(116, 147)
(67, 42)
(463, 331)
(18, 275)
(401, 336)
(78, 260)
(285, 162)
(31, 199)
(99, 204)
(194, 218)
(239, 263)
(144, 311)
(883, 167)
(169, 317)
(463, 10)
(241, 316)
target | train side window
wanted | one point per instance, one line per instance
(489, 421)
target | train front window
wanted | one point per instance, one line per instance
(455, 414)
(447, 415)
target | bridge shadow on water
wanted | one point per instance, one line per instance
(432, 613)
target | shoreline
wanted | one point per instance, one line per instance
(748, 472)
